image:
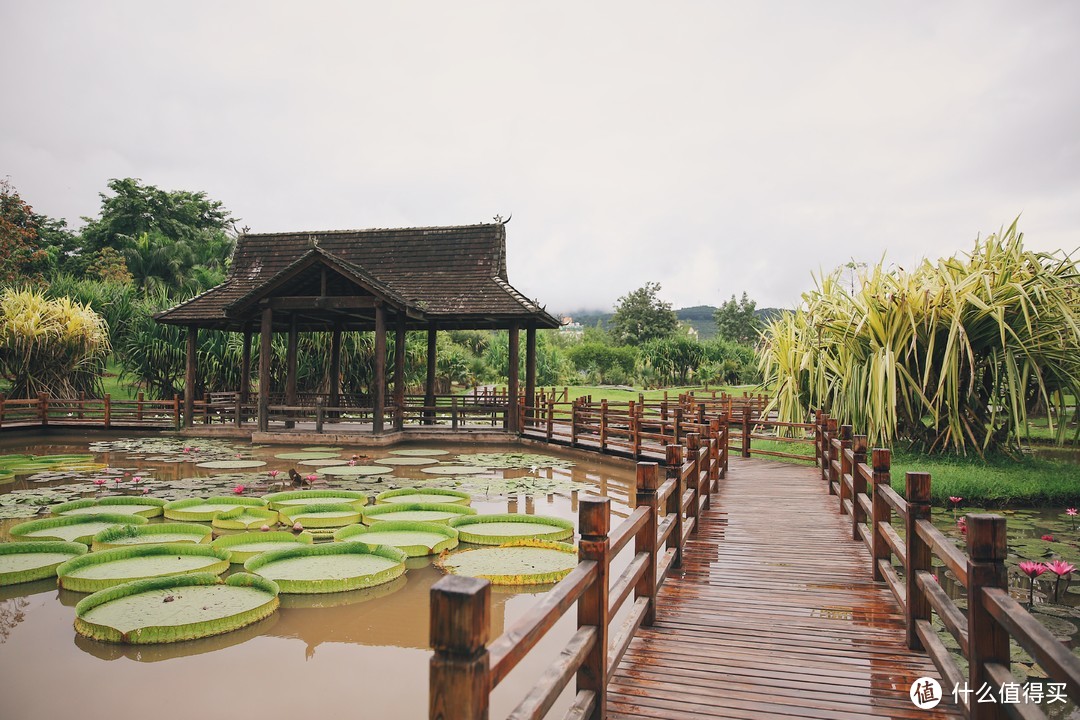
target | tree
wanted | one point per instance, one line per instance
(20, 254)
(737, 321)
(640, 317)
(602, 359)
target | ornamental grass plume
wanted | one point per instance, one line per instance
(1061, 569)
(1032, 570)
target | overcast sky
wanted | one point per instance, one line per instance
(713, 147)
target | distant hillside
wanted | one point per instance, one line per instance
(699, 317)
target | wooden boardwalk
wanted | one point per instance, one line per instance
(774, 614)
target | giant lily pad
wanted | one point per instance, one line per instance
(125, 505)
(419, 452)
(204, 510)
(321, 462)
(6, 477)
(430, 496)
(454, 470)
(415, 539)
(230, 464)
(99, 570)
(154, 534)
(354, 470)
(501, 529)
(72, 528)
(332, 567)
(329, 515)
(407, 461)
(524, 562)
(514, 460)
(298, 498)
(244, 518)
(26, 561)
(415, 512)
(307, 455)
(245, 546)
(321, 449)
(172, 609)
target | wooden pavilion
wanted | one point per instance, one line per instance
(434, 278)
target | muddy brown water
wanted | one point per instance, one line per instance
(362, 654)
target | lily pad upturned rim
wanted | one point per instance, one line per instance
(227, 519)
(152, 634)
(177, 509)
(445, 563)
(309, 515)
(329, 585)
(103, 540)
(459, 497)
(239, 557)
(41, 572)
(355, 533)
(374, 512)
(155, 506)
(20, 531)
(355, 497)
(89, 585)
(470, 528)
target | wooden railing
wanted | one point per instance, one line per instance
(466, 667)
(84, 412)
(905, 562)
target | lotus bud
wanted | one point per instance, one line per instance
(265, 528)
(297, 527)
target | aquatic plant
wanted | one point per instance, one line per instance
(72, 528)
(1071, 513)
(1032, 570)
(153, 534)
(328, 515)
(244, 518)
(415, 539)
(147, 507)
(98, 570)
(431, 496)
(502, 528)
(246, 545)
(1061, 569)
(415, 512)
(524, 562)
(293, 498)
(27, 561)
(330, 567)
(204, 509)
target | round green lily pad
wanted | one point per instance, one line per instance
(307, 455)
(247, 545)
(154, 534)
(329, 515)
(230, 464)
(415, 539)
(296, 498)
(324, 462)
(502, 528)
(454, 470)
(514, 460)
(419, 452)
(72, 528)
(430, 496)
(146, 506)
(99, 570)
(173, 609)
(523, 562)
(204, 510)
(415, 512)
(6, 477)
(354, 470)
(320, 448)
(331, 567)
(245, 518)
(27, 561)
(407, 461)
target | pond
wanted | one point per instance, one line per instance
(362, 653)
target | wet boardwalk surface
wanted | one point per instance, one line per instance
(775, 614)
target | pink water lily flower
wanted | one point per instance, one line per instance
(1060, 567)
(1071, 512)
(1047, 538)
(239, 489)
(137, 479)
(352, 463)
(100, 481)
(187, 449)
(955, 499)
(311, 478)
(274, 473)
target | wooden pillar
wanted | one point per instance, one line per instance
(266, 332)
(647, 482)
(335, 366)
(594, 520)
(245, 367)
(988, 641)
(512, 382)
(290, 368)
(429, 381)
(919, 557)
(858, 485)
(378, 391)
(846, 434)
(399, 372)
(530, 373)
(189, 375)
(459, 677)
(882, 512)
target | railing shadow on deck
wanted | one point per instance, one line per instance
(466, 668)
(983, 632)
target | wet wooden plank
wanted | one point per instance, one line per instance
(774, 614)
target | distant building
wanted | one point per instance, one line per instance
(569, 328)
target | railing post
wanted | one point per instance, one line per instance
(858, 485)
(676, 424)
(693, 447)
(1, 410)
(43, 408)
(845, 467)
(453, 412)
(882, 513)
(573, 423)
(746, 432)
(238, 408)
(648, 480)
(918, 553)
(594, 523)
(714, 455)
(725, 445)
(108, 410)
(673, 459)
(177, 420)
(460, 668)
(819, 427)
(830, 471)
(988, 642)
(603, 425)
(550, 418)
(139, 407)
(639, 412)
(82, 403)
(320, 413)
(631, 432)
